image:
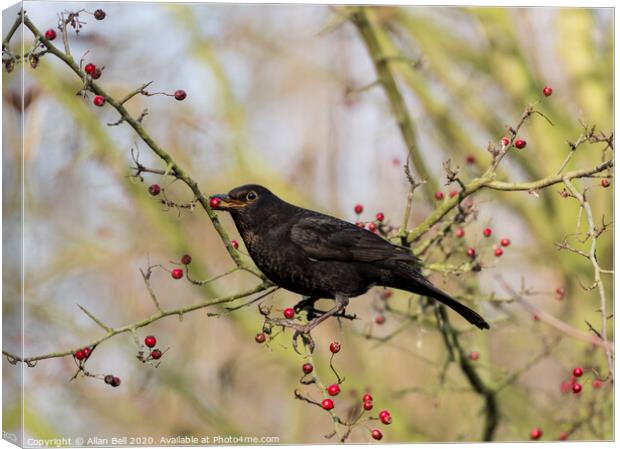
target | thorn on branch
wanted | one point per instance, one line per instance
(95, 319)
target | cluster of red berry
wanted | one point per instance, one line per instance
(334, 389)
(519, 144)
(439, 196)
(177, 273)
(93, 71)
(81, 355)
(370, 225)
(486, 232)
(566, 387)
(112, 380)
(150, 342)
(574, 385)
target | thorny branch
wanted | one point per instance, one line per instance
(172, 169)
(592, 235)
(130, 328)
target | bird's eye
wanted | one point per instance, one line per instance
(251, 196)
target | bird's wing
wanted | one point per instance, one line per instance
(326, 238)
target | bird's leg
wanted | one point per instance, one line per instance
(307, 304)
(341, 303)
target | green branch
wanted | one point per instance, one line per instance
(488, 181)
(371, 35)
(139, 324)
(171, 164)
(173, 169)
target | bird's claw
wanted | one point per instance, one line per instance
(306, 338)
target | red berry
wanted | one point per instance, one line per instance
(116, 381)
(98, 101)
(578, 372)
(260, 337)
(50, 35)
(150, 341)
(471, 252)
(90, 68)
(99, 14)
(596, 383)
(535, 433)
(498, 252)
(358, 209)
(368, 405)
(386, 419)
(380, 216)
(563, 435)
(376, 434)
(474, 355)
(156, 354)
(605, 182)
(333, 389)
(565, 387)
(80, 354)
(214, 202)
(535, 317)
(176, 273)
(559, 293)
(334, 347)
(96, 74)
(380, 319)
(307, 368)
(289, 313)
(577, 388)
(372, 227)
(327, 404)
(459, 233)
(180, 95)
(520, 144)
(383, 414)
(154, 189)
(367, 397)
(505, 242)
(186, 259)
(547, 91)
(108, 379)
(439, 196)
(235, 244)
(505, 141)
(453, 193)
(487, 232)
(86, 352)
(470, 159)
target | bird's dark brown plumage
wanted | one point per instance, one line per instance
(320, 256)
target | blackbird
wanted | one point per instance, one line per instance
(319, 256)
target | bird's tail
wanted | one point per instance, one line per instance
(415, 282)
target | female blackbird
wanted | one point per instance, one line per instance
(319, 256)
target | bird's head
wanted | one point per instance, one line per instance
(241, 200)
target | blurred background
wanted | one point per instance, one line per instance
(271, 99)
